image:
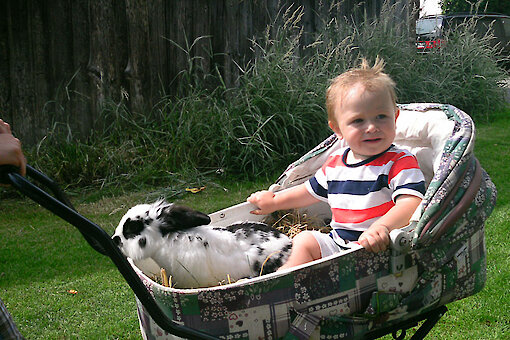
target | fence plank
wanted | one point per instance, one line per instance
(28, 83)
(137, 72)
(79, 112)
(5, 113)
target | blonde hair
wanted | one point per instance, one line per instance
(372, 78)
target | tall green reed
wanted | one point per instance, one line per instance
(276, 113)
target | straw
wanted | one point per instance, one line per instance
(292, 222)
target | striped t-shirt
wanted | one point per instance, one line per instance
(360, 193)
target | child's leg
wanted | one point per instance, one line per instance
(305, 248)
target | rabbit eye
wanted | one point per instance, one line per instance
(142, 242)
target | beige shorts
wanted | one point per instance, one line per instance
(327, 244)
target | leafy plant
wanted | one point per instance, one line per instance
(276, 113)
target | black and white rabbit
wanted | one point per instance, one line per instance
(194, 253)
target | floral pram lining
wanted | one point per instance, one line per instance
(350, 295)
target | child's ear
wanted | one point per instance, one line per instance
(397, 113)
(334, 126)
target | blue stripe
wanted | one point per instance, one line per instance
(358, 187)
(317, 188)
(419, 186)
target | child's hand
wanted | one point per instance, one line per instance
(292, 198)
(376, 238)
(264, 200)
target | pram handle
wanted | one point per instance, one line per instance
(97, 238)
(38, 176)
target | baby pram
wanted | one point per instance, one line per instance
(439, 258)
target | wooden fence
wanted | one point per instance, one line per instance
(60, 60)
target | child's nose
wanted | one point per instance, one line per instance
(371, 127)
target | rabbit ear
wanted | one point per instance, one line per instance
(178, 217)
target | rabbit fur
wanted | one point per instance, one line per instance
(195, 253)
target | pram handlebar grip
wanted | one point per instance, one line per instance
(97, 238)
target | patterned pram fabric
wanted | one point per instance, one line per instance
(349, 295)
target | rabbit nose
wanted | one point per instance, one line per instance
(116, 240)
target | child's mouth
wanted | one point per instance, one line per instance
(373, 140)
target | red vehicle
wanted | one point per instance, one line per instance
(431, 30)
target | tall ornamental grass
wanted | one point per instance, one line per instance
(277, 112)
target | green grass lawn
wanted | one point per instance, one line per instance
(43, 258)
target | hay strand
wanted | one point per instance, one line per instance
(164, 277)
(292, 222)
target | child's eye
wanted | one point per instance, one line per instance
(381, 116)
(357, 121)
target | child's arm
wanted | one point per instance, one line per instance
(377, 237)
(268, 201)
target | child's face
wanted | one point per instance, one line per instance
(366, 120)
